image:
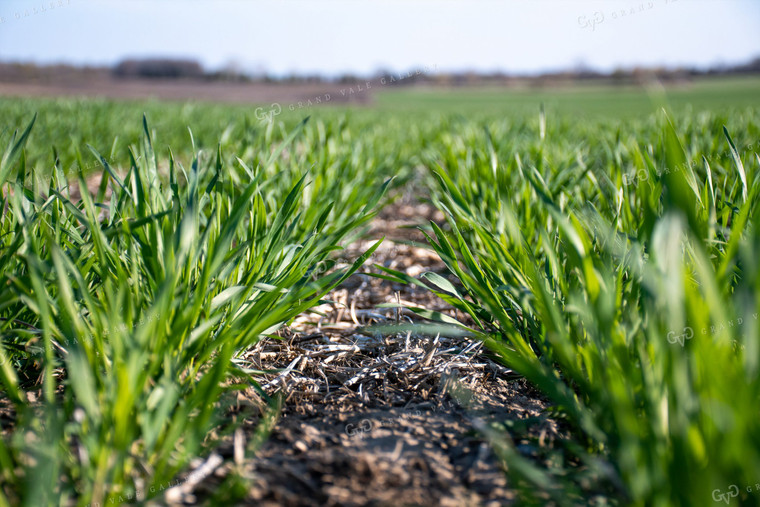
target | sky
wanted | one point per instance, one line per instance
(333, 37)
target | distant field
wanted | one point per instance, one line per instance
(68, 123)
(266, 101)
(111, 122)
(585, 101)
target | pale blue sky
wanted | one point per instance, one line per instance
(361, 36)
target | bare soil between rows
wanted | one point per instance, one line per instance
(372, 419)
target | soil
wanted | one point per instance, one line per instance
(371, 419)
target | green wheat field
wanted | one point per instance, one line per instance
(604, 245)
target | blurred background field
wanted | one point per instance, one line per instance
(625, 102)
(109, 124)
